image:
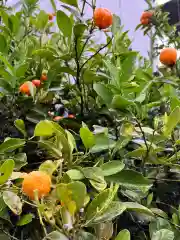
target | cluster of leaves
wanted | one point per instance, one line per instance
(113, 166)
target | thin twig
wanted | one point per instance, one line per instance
(96, 53)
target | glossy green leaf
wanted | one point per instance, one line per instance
(6, 170)
(42, 20)
(123, 235)
(13, 202)
(112, 167)
(114, 209)
(21, 70)
(71, 141)
(104, 92)
(133, 206)
(85, 236)
(64, 23)
(87, 137)
(44, 53)
(73, 3)
(51, 148)
(79, 29)
(43, 129)
(20, 125)
(3, 45)
(55, 236)
(48, 166)
(119, 102)
(163, 234)
(172, 121)
(100, 204)
(11, 144)
(75, 174)
(25, 219)
(20, 160)
(130, 179)
(74, 192)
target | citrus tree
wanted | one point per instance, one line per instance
(95, 153)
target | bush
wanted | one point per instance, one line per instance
(89, 134)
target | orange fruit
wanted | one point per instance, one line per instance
(50, 16)
(36, 180)
(36, 82)
(168, 56)
(57, 118)
(146, 17)
(103, 18)
(43, 77)
(24, 88)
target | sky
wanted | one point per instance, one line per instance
(129, 11)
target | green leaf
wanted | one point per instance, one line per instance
(79, 29)
(71, 141)
(44, 53)
(11, 144)
(53, 5)
(6, 170)
(119, 102)
(48, 166)
(44, 129)
(13, 202)
(112, 167)
(55, 236)
(64, 23)
(20, 160)
(70, 2)
(100, 204)
(74, 192)
(21, 70)
(3, 45)
(123, 235)
(85, 236)
(133, 206)
(51, 148)
(9, 68)
(93, 173)
(130, 179)
(116, 24)
(75, 174)
(87, 137)
(19, 124)
(172, 121)
(163, 234)
(42, 20)
(102, 142)
(25, 219)
(104, 92)
(114, 209)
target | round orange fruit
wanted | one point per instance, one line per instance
(103, 18)
(36, 82)
(146, 17)
(43, 77)
(50, 16)
(36, 181)
(24, 88)
(168, 56)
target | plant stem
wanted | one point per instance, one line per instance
(78, 74)
(83, 7)
(96, 53)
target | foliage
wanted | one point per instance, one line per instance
(101, 125)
